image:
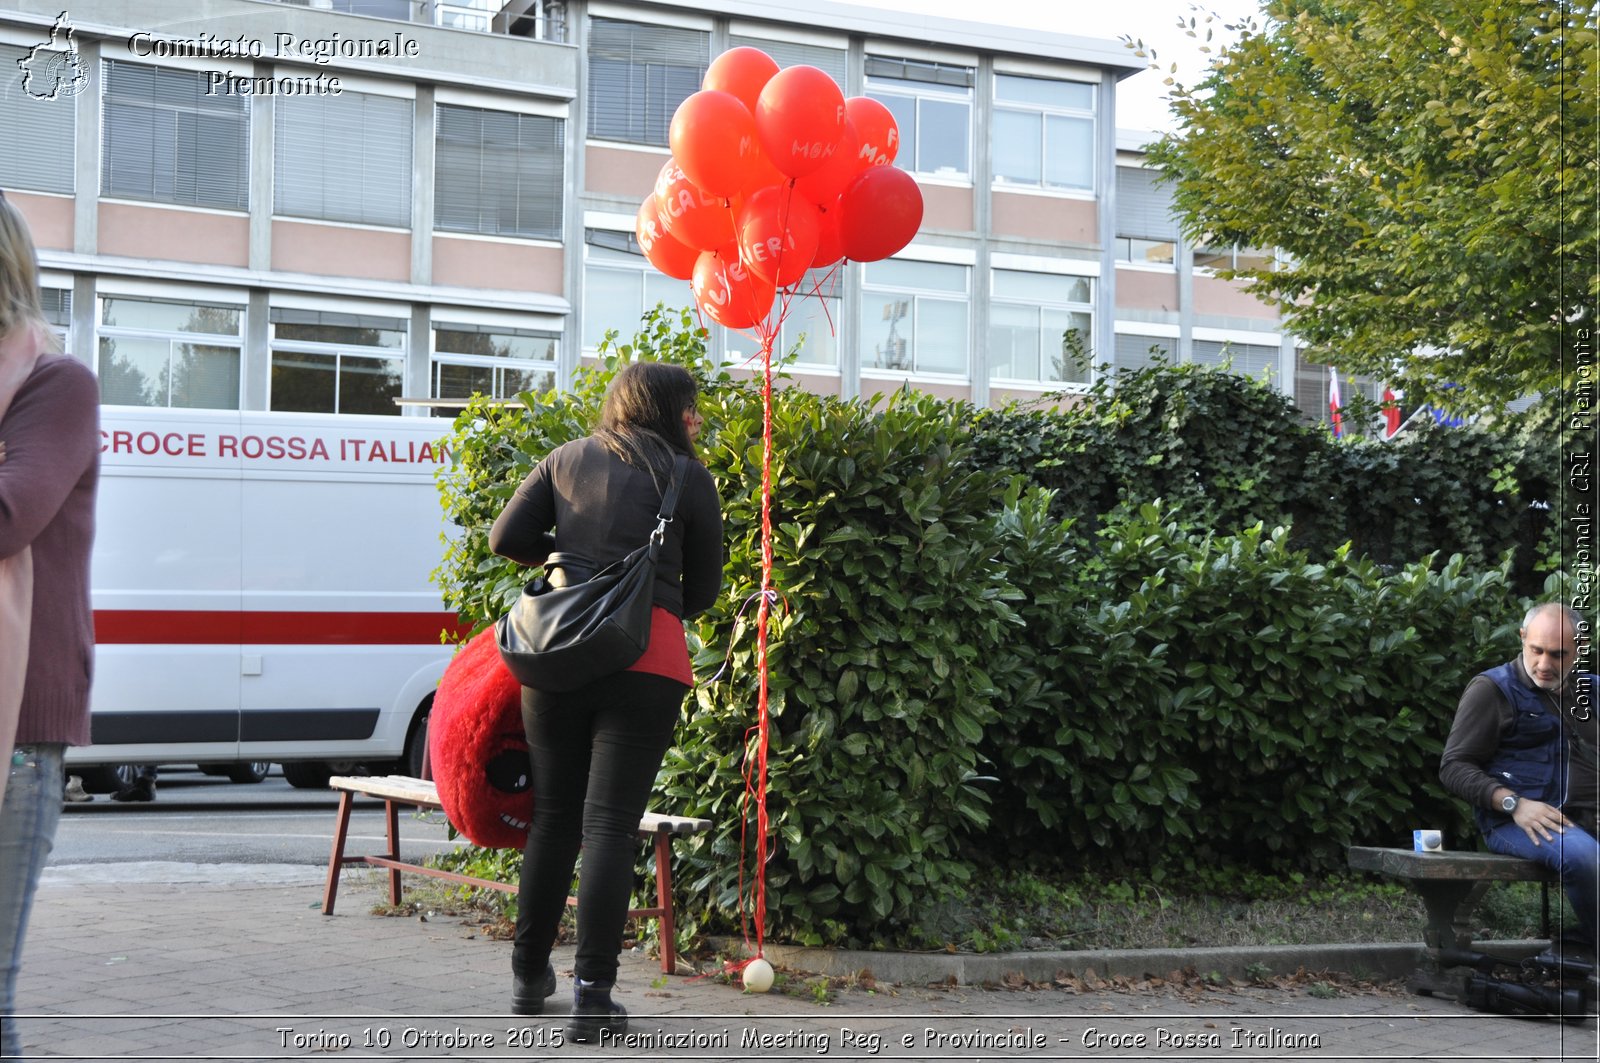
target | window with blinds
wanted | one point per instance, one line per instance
(1135, 352)
(638, 74)
(499, 173)
(1144, 207)
(45, 125)
(343, 158)
(165, 140)
(1253, 360)
(57, 305)
(831, 61)
(1310, 389)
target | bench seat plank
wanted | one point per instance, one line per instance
(1470, 867)
(397, 790)
(425, 794)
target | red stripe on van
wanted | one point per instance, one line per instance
(214, 628)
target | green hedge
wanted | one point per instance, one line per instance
(1221, 699)
(1231, 453)
(967, 667)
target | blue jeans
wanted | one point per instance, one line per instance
(1576, 855)
(27, 831)
(595, 753)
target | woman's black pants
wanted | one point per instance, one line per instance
(595, 753)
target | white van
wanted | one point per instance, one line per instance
(261, 590)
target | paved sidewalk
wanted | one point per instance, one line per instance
(244, 971)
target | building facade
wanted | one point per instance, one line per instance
(331, 205)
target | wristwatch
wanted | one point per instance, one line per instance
(1508, 803)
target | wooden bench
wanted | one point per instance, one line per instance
(1450, 884)
(397, 790)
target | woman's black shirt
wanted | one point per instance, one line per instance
(603, 508)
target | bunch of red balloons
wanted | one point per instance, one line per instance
(773, 172)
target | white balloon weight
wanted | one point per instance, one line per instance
(758, 976)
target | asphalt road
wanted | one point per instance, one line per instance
(205, 828)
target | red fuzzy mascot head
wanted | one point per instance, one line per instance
(477, 750)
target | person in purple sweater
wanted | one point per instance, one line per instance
(49, 469)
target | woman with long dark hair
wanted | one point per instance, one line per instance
(595, 751)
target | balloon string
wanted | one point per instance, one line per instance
(817, 285)
(727, 658)
(756, 774)
(755, 767)
(763, 615)
(744, 838)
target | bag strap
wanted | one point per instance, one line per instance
(669, 500)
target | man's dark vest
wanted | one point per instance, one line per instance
(1532, 757)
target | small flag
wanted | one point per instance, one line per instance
(1334, 402)
(1391, 411)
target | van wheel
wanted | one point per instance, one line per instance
(417, 745)
(249, 771)
(308, 774)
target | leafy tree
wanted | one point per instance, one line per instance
(1428, 165)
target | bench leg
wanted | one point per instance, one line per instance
(392, 814)
(1449, 908)
(336, 862)
(665, 923)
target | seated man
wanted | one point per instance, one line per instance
(1522, 752)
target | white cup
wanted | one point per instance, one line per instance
(1427, 841)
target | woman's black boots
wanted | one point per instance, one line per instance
(527, 994)
(594, 1013)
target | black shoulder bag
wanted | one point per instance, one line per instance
(561, 638)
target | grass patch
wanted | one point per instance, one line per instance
(1513, 910)
(1025, 910)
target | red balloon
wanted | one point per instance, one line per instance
(879, 213)
(661, 249)
(741, 71)
(730, 294)
(778, 235)
(879, 132)
(758, 175)
(714, 139)
(830, 241)
(800, 116)
(696, 219)
(824, 184)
